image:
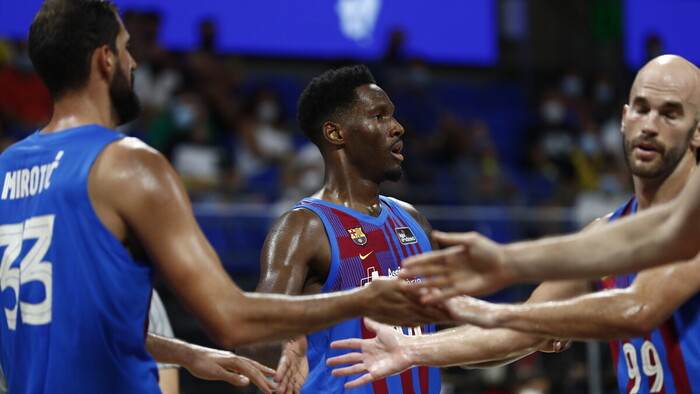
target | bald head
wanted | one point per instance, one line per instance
(670, 73)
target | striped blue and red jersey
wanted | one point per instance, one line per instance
(666, 360)
(364, 247)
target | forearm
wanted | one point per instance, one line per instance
(272, 317)
(604, 315)
(623, 246)
(469, 345)
(169, 350)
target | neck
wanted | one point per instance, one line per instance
(350, 190)
(81, 108)
(652, 192)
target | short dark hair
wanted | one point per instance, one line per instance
(328, 95)
(63, 37)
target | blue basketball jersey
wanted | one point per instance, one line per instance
(74, 302)
(668, 359)
(362, 248)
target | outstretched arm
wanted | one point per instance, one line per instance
(210, 364)
(614, 314)
(135, 190)
(663, 234)
(391, 352)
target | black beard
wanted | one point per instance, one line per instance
(124, 100)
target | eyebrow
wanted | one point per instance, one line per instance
(672, 104)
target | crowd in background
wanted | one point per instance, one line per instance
(473, 138)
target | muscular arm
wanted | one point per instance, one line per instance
(296, 242)
(134, 189)
(614, 314)
(659, 235)
(469, 346)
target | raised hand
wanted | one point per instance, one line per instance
(473, 264)
(378, 357)
(393, 304)
(293, 367)
(212, 364)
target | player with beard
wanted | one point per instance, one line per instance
(658, 308)
(346, 234)
(76, 192)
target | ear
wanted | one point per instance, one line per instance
(695, 140)
(625, 108)
(333, 133)
(106, 61)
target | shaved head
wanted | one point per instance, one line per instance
(670, 73)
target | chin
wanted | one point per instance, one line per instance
(395, 175)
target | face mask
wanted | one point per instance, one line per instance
(572, 87)
(184, 115)
(603, 93)
(552, 112)
(267, 111)
(589, 145)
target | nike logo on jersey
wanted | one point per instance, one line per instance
(362, 257)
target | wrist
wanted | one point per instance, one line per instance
(511, 269)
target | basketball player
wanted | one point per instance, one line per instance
(347, 234)
(75, 192)
(660, 306)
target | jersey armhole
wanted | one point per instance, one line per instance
(333, 271)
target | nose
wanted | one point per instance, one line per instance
(397, 129)
(650, 123)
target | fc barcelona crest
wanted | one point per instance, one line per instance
(357, 236)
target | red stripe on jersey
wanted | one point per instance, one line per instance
(392, 245)
(379, 386)
(407, 382)
(423, 375)
(674, 356)
(615, 351)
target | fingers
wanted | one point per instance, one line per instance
(235, 379)
(450, 239)
(429, 263)
(372, 325)
(351, 343)
(361, 381)
(348, 358)
(438, 297)
(350, 370)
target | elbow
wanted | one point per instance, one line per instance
(232, 332)
(637, 321)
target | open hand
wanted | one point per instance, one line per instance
(378, 357)
(472, 265)
(293, 368)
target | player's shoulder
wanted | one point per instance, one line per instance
(300, 218)
(403, 204)
(132, 153)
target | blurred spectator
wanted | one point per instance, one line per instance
(301, 178)
(25, 103)
(265, 145)
(156, 79)
(186, 134)
(216, 79)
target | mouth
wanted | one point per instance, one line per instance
(396, 150)
(646, 150)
